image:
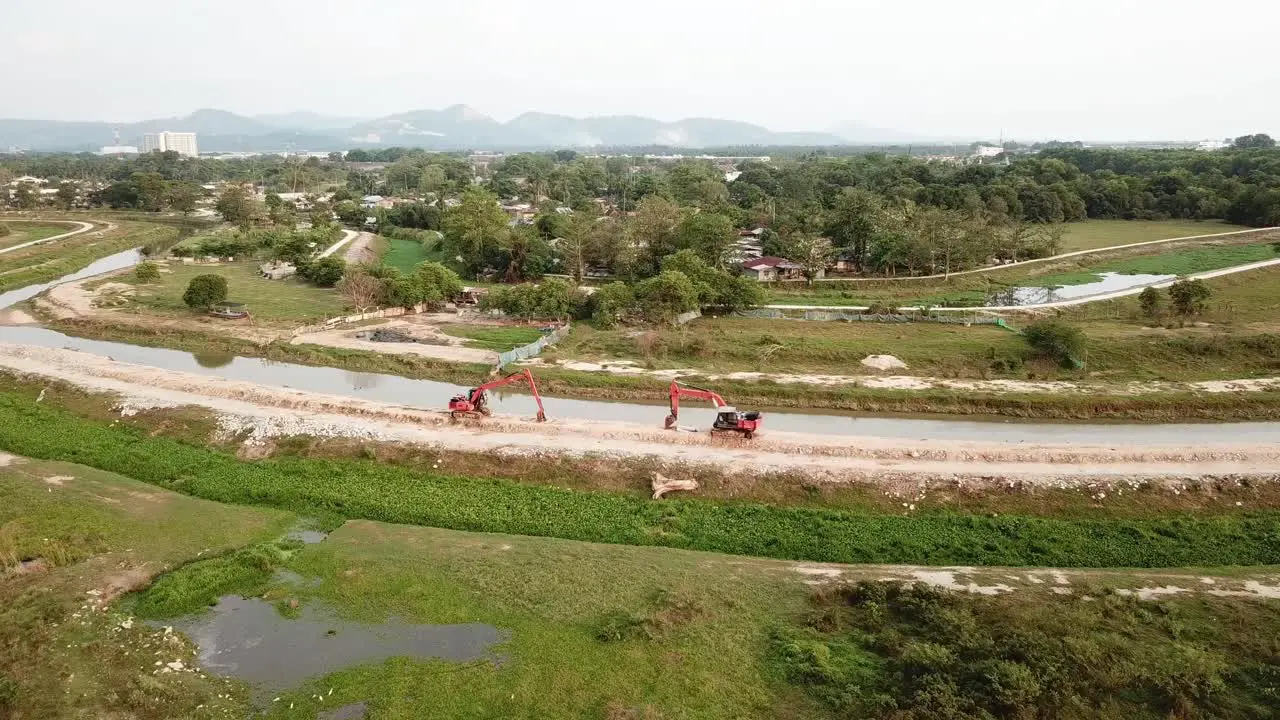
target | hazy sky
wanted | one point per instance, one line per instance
(1094, 69)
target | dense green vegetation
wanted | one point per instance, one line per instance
(492, 337)
(915, 653)
(355, 489)
(287, 300)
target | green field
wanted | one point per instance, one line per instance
(23, 232)
(1188, 261)
(271, 300)
(595, 630)
(492, 337)
(1094, 234)
(41, 263)
(404, 255)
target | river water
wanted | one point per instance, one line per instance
(431, 395)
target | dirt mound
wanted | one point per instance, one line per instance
(883, 362)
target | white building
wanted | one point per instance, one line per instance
(1211, 145)
(118, 150)
(987, 151)
(180, 142)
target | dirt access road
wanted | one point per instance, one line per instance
(84, 227)
(260, 413)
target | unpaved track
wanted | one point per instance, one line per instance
(84, 228)
(263, 412)
(347, 236)
(359, 250)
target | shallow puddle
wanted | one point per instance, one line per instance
(247, 639)
(307, 537)
(1107, 282)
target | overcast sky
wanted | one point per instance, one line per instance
(1093, 69)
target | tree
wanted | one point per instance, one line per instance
(25, 196)
(574, 244)
(320, 214)
(152, 189)
(1151, 302)
(1189, 297)
(360, 289)
(812, 253)
(183, 197)
(66, 195)
(147, 272)
(325, 272)
(236, 207)
(476, 228)
(349, 213)
(438, 284)
(853, 223)
(610, 303)
(1259, 141)
(1059, 341)
(432, 179)
(663, 297)
(204, 291)
(654, 230)
(708, 234)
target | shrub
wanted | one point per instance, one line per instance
(325, 272)
(1189, 297)
(610, 303)
(204, 291)
(550, 299)
(4, 230)
(1151, 302)
(1057, 340)
(664, 297)
(147, 272)
(438, 284)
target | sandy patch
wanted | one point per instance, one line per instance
(359, 251)
(57, 479)
(15, 317)
(438, 346)
(883, 362)
(6, 459)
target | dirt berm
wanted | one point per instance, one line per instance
(260, 412)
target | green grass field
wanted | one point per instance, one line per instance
(41, 263)
(404, 255)
(272, 300)
(590, 630)
(1188, 261)
(94, 534)
(23, 232)
(491, 337)
(1094, 234)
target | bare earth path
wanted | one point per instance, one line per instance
(359, 251)
(265, 412)
(84, 228)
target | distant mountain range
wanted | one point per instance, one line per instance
(453, 128)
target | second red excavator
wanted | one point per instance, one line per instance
(475, 403)
(728, 419)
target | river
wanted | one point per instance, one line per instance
(431, 395)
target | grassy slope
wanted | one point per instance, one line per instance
(973, 289)
(100, 529)
(41, 263)
(368, 490)
(23, 232)
(273, 300)
(490, 337)
(594, 630)
(1093, 234)
(1188, 261)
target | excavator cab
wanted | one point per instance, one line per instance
(728, 418)
(731, 419)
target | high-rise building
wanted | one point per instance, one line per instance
(183, 143)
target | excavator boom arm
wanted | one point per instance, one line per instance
(678, 390)
(524, 375)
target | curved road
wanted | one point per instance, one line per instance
(347, 236)
(1051, 258)
(84, 227)
(1057, 303)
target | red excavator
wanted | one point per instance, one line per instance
(475, 403)
(728, 419)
